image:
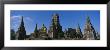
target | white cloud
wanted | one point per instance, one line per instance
(28, 19)
(15, 21)
(14, 17)
(19, 18)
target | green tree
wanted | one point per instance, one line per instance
(12, 34)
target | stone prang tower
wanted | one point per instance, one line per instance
(89, 31)
(21, 33)
(55, 30)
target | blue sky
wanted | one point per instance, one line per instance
(68, 18)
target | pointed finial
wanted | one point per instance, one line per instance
(22, 18)
(35, 31)
(22, 23)
(78, 24)
(43, 24)
(36, 24)
(88, 19)
(78, 27)
(55, 14)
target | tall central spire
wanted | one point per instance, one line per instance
(22, 23)
(21, 33)
(88, 20)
